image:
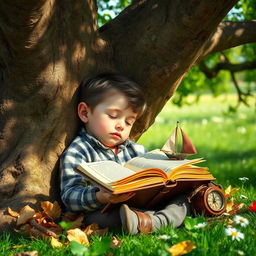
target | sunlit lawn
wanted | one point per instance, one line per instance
(227, 142)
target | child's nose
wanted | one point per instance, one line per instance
(120, 125)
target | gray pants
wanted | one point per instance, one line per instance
(173, 214)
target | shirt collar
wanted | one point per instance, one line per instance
(95, 141)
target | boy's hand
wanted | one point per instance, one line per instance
(105, 197)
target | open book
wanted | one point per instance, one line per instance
(156, 176)
(152, 169)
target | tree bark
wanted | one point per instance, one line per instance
(46, 49)
(230, 34)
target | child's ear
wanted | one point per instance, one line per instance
(82, 110)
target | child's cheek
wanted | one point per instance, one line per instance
(103, 127)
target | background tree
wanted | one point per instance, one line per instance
(48, 46)
(215, 72)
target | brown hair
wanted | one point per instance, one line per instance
(95, 89)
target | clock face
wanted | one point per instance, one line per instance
(215, 200)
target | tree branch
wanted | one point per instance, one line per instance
(213, 72)
(162, 39)
(230, 34)
(232, 68)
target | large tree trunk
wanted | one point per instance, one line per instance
(48, 46)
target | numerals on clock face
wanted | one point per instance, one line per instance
(215, 200)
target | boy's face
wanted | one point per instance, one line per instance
(111, 120)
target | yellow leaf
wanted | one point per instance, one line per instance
(53, 210)
(115, 242)
(181, 248)
(55, 242)
(230, 204)
(78, 235)
(13, 213)
(26, 213)
(230, 191)
(18, 246)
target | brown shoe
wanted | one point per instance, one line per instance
(135, 221)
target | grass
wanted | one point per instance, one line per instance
(227, 141)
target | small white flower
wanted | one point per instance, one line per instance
(201, 225)
(239, 252)
(164, 237)
(241, 220)
(243, 197)
(234, 233)
(243, 178)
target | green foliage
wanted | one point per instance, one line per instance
(78, 249)
(107, 10)
(196, 82)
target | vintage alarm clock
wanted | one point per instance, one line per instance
(208, 199)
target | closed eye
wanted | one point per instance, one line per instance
(112, 116)
(130, 122)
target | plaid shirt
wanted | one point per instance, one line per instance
(76, 193)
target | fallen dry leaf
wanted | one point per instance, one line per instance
(230, 204)
(13, 213)
(78, 222)
(55, 242)
(230, 191)
(70, 216)
(26, 213)
(52, 210)
(39, 217)
(31, 231)
(18, 246)
(100, 232)
(181, 248)
(93, 229)
(30, 253)
(78, 235)
(115, 242)
(233, 208)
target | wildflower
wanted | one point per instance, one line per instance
(253, 207)
(164, 237)
(239, 252)
(241, 220)
(234, 233)
(201, 225)
(243, 178)
(243, 197)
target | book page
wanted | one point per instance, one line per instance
(156, 159)
(105, 171)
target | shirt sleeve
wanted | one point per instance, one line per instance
(75, 194)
